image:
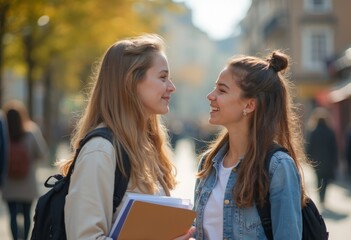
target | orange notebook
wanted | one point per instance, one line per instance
(141, 220)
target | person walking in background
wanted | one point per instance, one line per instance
(20, 186)
(252, 101)
(132, 88)
(322, 150)
(348, 151)
(3, 147)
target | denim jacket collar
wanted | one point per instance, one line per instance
(217, 159)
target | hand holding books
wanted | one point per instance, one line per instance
(188, 235)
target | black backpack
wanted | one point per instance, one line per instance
(313, 225)
(49, 211)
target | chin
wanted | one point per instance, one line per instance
(213, 122)
(163, 111)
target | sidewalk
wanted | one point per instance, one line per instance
(337, 214)
(43, 172)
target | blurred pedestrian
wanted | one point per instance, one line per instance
(4, 142)
(348, 151)
(322, 149)
(20, 191)
(130, 92)
(252, 101)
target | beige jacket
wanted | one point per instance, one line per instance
(88, 208)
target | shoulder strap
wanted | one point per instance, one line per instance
(265, 211)
(121, 182)
(98, 132)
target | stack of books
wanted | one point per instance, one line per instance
(151, 217)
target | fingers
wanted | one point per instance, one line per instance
(188, 235)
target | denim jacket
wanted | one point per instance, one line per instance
(245, 223)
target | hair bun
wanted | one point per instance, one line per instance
(278, 61)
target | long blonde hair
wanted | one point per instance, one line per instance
(275, 120)
(114, 101)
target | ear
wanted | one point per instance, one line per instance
(250, 105)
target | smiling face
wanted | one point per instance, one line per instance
(156, 88)
(227, 105)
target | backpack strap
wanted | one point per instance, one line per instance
(121, 182)
(265, 211)
(98, 132)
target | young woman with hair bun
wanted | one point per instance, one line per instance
(252, 101)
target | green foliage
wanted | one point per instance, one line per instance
(74, 35)
(58, 41)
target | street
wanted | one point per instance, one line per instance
(337, 212)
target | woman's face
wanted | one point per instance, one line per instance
(156, 88)
(227, 105)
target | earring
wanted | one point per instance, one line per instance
(244, 112)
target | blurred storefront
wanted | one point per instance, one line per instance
(339, 96)
(315, 35)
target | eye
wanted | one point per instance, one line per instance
(218, 89)
(164, 78)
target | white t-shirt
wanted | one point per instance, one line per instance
(213, 213)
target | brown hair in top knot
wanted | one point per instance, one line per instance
(278, 61)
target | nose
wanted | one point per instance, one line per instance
(171, 87)
(211, 96)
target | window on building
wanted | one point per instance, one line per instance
(317, 47)
(317, 5)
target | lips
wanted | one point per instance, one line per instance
(166, 98)
(214, 109)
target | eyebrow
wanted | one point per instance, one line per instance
(164, 71)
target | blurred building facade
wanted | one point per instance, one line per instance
(195, 61)
(314, 33)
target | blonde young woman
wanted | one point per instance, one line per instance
(252, 101)
(132, 88)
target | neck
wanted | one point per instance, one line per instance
(236, 151)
